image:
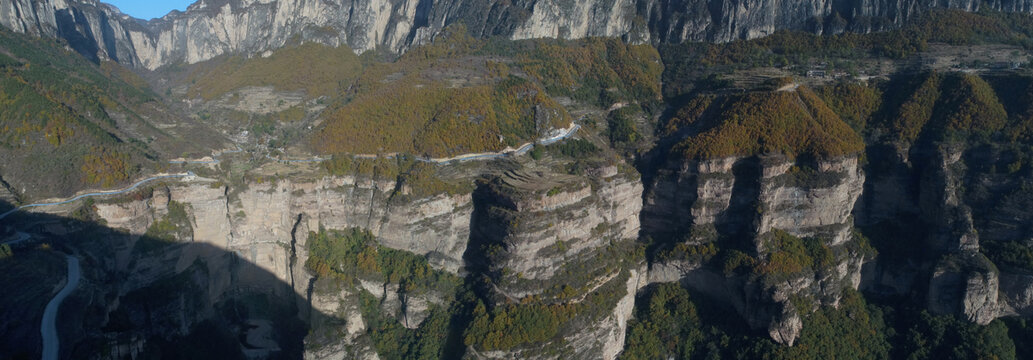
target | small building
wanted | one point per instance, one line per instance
(816, 73)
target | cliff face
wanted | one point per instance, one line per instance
(951, 211)
(743, 196)
(758, 205)
(561, 247)
(962, 280)
(561, 240)
(558, 240)
(266, 228)
(213, 27)
(541, 231)
(96, 30)
(266, 222)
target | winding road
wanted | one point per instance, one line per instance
(48, 328)
(564, 134)
(561, 135)
(18, 237)
(100, 193)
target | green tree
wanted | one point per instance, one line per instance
(666, 326)
(5, 251)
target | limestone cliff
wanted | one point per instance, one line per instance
(255, 238)
(757, 205)
(214, 27)
(541, 231)
(556, 239)
(564, 244)
(266, 222)
(937, 205)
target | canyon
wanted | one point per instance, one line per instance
(773, 195)
(561, 246)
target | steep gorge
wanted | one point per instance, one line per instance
(769, 203)
(771, 236)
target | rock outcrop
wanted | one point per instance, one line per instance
(563, 244)
(558, 239)
(210, 28)
(265, 222)
(546, 230)
(968, 285)
(254, 238)
(919, 191)
(755, 204)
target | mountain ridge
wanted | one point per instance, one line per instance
(211, 28)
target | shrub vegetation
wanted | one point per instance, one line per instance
(354, 254)
(316, 69)
(63, 118)
(405, 106)
(791, 123)
(854, 103)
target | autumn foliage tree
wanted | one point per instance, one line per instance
(105, 167)
(790, 122)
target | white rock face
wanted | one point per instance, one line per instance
(135, 216)
(757, 196)
(577, 19)
(543, 232)
(1017, 290)
(260, 223)
(750, 198)
(821, 209)
(267, 223)
(614, 341)
(561, 238)
(967, 284)
(210, 28)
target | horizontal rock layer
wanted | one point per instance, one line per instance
(747, 199)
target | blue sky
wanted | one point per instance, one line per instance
(149, 9)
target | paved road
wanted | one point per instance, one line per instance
(519, 151)
(315, 159)
(465, 157)
(48, 328)
(101, 193)
(567, 133)
(18, 237)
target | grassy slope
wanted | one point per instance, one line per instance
(316, 69)
(456, 95)
(66, 123)
(691, 60)
(791, 122)
(406, 106)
